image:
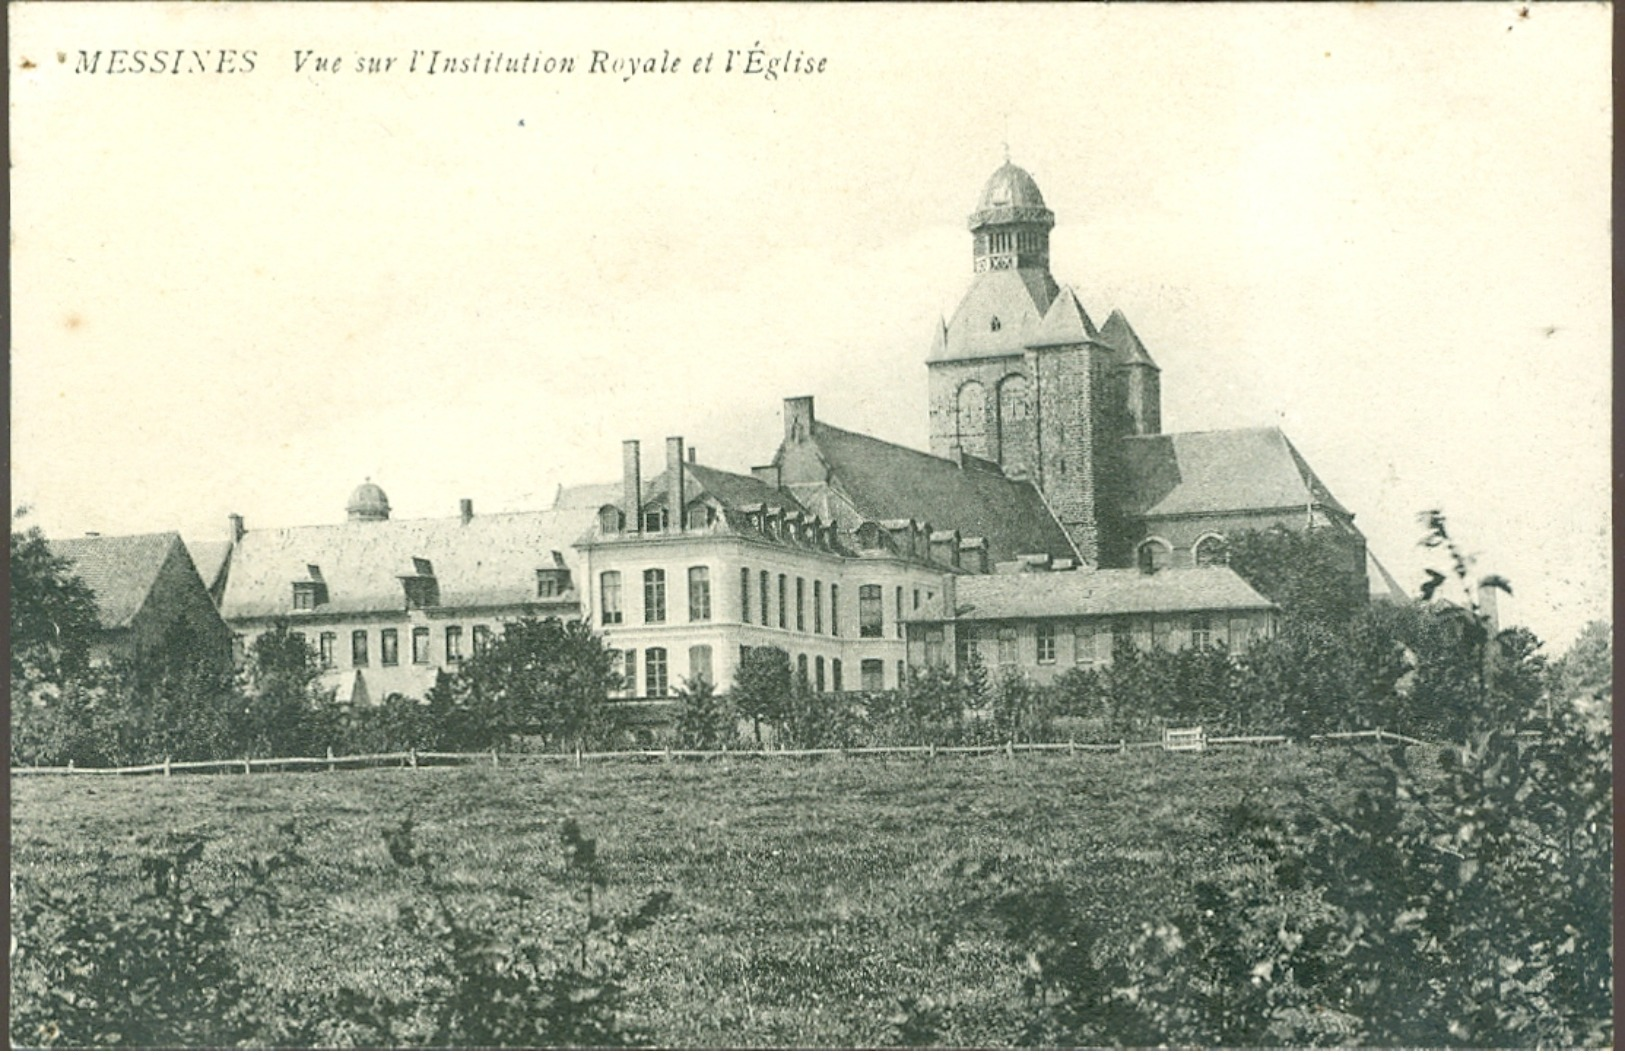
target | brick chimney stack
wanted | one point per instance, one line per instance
(676, 484)
(632, 485)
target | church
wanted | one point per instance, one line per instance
(1051, 515)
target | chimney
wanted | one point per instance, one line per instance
(234, 524)
(691, 458)
(676, 503)
(768, 474)
(798, 419)
(465, 507)
(631, 486)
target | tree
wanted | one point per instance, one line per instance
(1313, 575)
(285, 711)
(705, 721)
(762, 685)
(1586, 670)
(542, 676)
(53, 613)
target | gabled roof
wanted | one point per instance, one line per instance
(1233, 470)
(587, 496)
(209, 558)
(490, 561)
(1037, 595)
(732, 490)
(1066, 321)
(1018, 299)
(884, 481)
(1121, 336)
(119, 569)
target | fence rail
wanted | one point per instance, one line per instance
(415, 759)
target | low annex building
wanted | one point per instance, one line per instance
(145, 585)
(1039, 623)
(389, 604)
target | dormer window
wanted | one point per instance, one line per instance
(552, 582)
(654, 520)
(611, 521)
(421, 587)
(311, 591)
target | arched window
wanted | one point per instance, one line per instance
(1210, 549)
(1154, 555)
(1015, 425)
(970, 421)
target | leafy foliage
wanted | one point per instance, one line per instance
(1316, 575)
(156, 974)
(542, 677)
(762, 685)
(705, 721)
(53, 613)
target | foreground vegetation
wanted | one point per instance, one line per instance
(807, 900)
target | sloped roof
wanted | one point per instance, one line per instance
(1010, 186)
(490, 561)
(1121, 336)
(1066, 321)
(209, 558)
(884, 481)
(1107, 592)
(734, 490)
(119, 569)
(1384, 587)
(588, 496)
(1018, 299)
(1215, 472)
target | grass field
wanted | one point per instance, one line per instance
(807, 897)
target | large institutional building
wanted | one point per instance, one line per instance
(1051, 514)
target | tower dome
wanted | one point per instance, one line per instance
(368, 502)
(1011, 223)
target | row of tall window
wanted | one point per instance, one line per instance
(764, 608)
(656, 669)
(389, 646)
(611, 611)
(1014, 241)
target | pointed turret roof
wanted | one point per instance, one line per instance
(1066, 322)
(1121, 336)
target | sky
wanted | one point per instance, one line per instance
(1382, 227)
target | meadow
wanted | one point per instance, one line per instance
(809, 897)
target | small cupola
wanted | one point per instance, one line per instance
(368, 502)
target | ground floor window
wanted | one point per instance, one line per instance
(699, 664)
(835, 674)
(1007, 646)
(654, 672)
(873, 673)
(818, 673)
(420, 644)
(329, 643)
(1044, 634)
(934, 640)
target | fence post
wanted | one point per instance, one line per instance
(494, 763)
(1010, 749)
(412, 757)
(70, 763)
(578, 756)
(166, 765)
(1071, 748)
(1122, 747)
(246, 769)
(330, 758)
(668, 754)
(931, 753)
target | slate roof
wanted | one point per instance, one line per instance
(120, 569)
(209, 558)
(491, 561)
(1216, 472)
(1106, 592)
(733, 490)
(589, 496)
(1018, 298)
(884, 481)
(1121, 336)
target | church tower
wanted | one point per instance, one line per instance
(1022, 382)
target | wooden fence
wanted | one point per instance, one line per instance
(1173, 740)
